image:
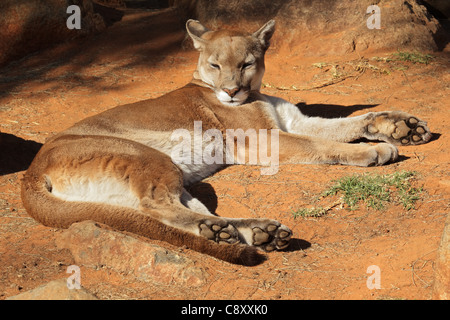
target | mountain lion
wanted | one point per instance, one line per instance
(116, 167)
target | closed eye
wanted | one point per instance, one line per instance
(247, 65)
(214, 66)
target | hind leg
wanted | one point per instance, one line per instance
(266, 234)
(112, 171)
(123, 173)
(190, 215)
(208, 226)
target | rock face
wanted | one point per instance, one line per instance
(54, 290)
(327, 27)
(94, 245)
(31, 25)
(442, 270)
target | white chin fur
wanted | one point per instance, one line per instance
(232, 103)
(237, 100)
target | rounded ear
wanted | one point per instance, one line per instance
(195, 30)
(265, 33)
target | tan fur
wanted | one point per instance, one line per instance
(115, 168)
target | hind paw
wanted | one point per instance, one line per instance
(218, 231)
(272, 236)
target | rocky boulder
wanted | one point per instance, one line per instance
(328, 27)
(97, 246)
(442, 269)
(30, 25)
(54, 290)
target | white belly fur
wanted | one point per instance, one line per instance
(103, 190)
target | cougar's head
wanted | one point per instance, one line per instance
(230, 62)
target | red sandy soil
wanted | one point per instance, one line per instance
(140, 58)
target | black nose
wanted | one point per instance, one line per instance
(232, 92)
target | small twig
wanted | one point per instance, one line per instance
(325, 84)
(407, 80)
(414, 273)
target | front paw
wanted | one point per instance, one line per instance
(365, 155)
(398, 128)
(385, 152)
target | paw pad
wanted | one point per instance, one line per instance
(402, 130)
(398, 128)
(271, 237)
(410, 131)
(416, 133)
(222, 232)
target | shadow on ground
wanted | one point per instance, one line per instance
(16, 153)
(331, 110)
(131, 41)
